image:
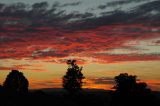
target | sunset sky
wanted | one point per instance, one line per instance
(107, 37)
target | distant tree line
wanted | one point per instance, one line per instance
(127, 89)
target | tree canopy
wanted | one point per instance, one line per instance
(130, 92)
(16, 82)
(72, 81)
(128, 83)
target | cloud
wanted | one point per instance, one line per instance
(99, 83)
(105, 58)
(103, 80)
(39, 14)
(157, 42)
(42, 15)
(37, 84)
(20, 15)
(138, 14)
(42, 31)
(48, 53)
(153, 83)
(119, 2)
(5, 39)
(71, 4)
(17, 67)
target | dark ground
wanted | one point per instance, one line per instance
(59, 97)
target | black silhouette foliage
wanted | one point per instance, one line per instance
(16, 82)
(125, 82)
(129, 92)
(128, 83)
(72, 81)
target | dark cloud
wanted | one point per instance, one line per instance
(41, 15)
(148, 11)
(127, 57)
(72, 4)
(4, 39)
(157, 42)
(79, 60)
(103, 80)
(48, 53)
(40, 6)
(91, 23)
(38, 15)
(48, 83)
(19, 67)
(37, 27)
(139, 14)
(119, 2)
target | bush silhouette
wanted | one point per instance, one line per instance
(125, 82)
(72, 81)
(16, 82)
(128, 83)
(128, 92)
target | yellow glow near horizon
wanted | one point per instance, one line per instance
(41, 71)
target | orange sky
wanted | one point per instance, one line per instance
(98, 76)
(38, 38)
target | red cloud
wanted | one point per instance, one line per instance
(63, 43)
(19, 67)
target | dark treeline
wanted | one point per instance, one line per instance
(127, 91)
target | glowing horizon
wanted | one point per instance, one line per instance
(98, 76)
(106, 38)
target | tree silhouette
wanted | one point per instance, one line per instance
(125, 82)
(16, 82)
(72, 81)
(128, 83)
(129, 92)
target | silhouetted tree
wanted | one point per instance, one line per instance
(125, 82)
(16, 82)
(72, 81)
(128, 83)
(129, 92)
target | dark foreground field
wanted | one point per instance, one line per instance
(59, 97)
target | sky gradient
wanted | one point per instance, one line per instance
(107, 37)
